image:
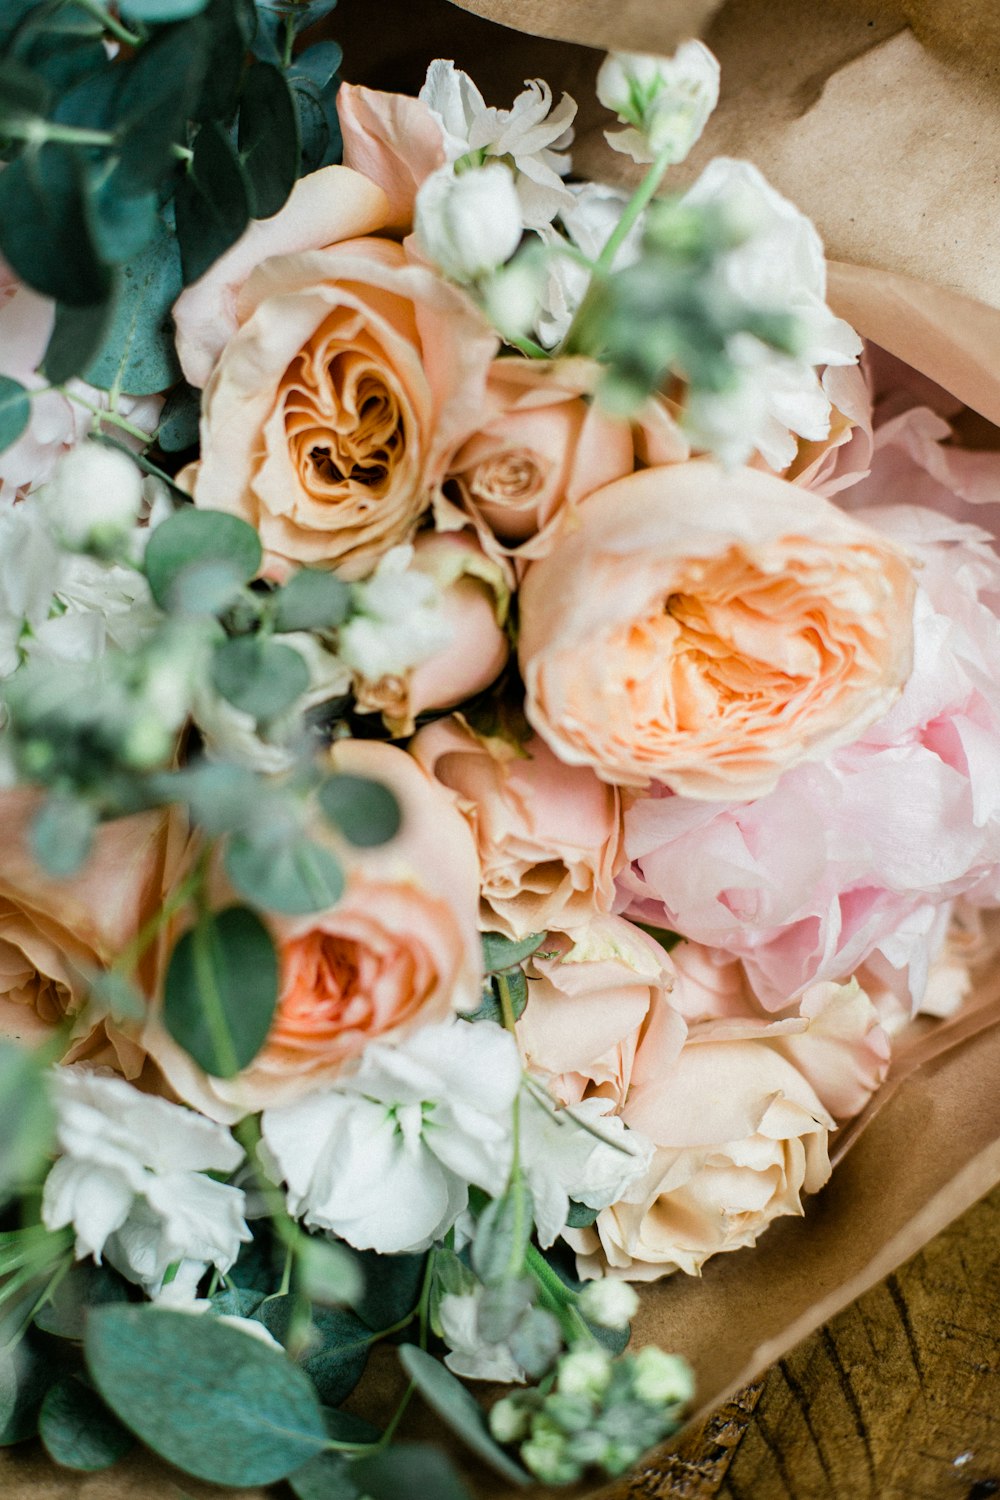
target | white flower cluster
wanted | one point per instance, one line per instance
(664, 101)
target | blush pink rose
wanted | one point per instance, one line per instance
(548, 835)
(55, 934)
(849, 861)
(392, 139)
(399, 950)
(545, 446)
(708, 629)
(331, 411)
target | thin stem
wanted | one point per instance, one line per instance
(527, 346)
(106, 416)
(286, 1275)
(110, 23)
(42, 132)
(634, 208)
(286, 56)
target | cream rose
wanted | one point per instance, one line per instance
(545, 446)
(400, 950)
(548, 835)
(331, 411)
(55, 933)
(707, 629)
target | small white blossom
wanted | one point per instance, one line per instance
(589, 220)
(468, 223)
(661, 1379)
(563, 1160)
(386, 1159)
(609, 1303)
(584, 1372)
(29, 564)
(398, 621)
(94, 496)
(131, 1179)
(779, 266)
(531, 135)
(470, 1355)
(665, 101)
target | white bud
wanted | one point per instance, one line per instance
(469, 223)
(665, 101)
(661, 1379)
(584, 1372)
(94, 496)
(609, 1303)
(509, 1421)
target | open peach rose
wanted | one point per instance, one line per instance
(707, 629)
(331, 411)
(55, 933)
(548, 835)
(399, 950)
(545, 446)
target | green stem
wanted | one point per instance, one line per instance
(38, 132)
(527, 346)
(110, 23)
(286, 1275)
(558, 1297)
(106, 416)
(286, 57)
(634, 208)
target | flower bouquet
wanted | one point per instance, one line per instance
(501, 688)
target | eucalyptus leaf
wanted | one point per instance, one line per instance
(24, 97)
(212, 202)
(237, 1302)
(116, 995)
(317, 64)
(179, 419)
(490, 1008)
(536, 1341)
(325, 1477)
(147, 12)
(156, 95)
(312, 600)
(454, 1405)
(268, 138)
(580, 1216)
(194, 540)
(29, 1120)
(138, 355)
(122, 225)
(502, 1235)
(77, 335)
(501, 1307)
(391, 1287)
(78, 1430)
(15, 410)
(411, 1471)
(221, 990)
(230, 26)
(205, 1396)
(27, 1371)
(295, 876)
(259, 676)
(84, 1286)
(365, 812)
(501, 953)
(338, 1363)
(327, 1273)
(62, 833)
(44, 228)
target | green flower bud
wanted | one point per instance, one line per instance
(609, 1303)
(545, 1454)
(584, 1372)
(661, 1379)
(508, 1420)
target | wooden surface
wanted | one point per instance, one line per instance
(898, 1398)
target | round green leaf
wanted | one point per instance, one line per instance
(366, 812)
(154, 11)
(312, 600)
(78, 1430)
(259, 676)
(15, 410)
(62, 833)
(410, 1471)
(178, 427)
(77, 335)
(156, 94)
(44, 229)
(205, 1396)
(221, 990)
(212, 201)
(296, 877)
(268, 138)
(138, 354)
(197, 540)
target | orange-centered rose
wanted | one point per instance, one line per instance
(708, 629)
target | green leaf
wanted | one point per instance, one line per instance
(237, 1302)
(116, 995)
(24, 96)
(29, 1121)
(188, 544)
(44, 230)
(325, 1477)
(178, 427)
(305, 15)
(122, 226)
(84, 1286)
(138, 355)
(312, 600)
(15, 411)
(346, 1427)
(27, 1370)
(212, 203)
(230, 26)
(580, 1216)
(327, 1273)
(206, 1397)
(259, 676)
(536, 1341)
(391, 1287)
(78, 1430)
(449, 1398)
(490, 1009)
(502, 1235)
(662, 935)
(147, 12)
(411, 1471)
(338, 1364)
(77, 334)
(156, 95)
(294, 876)
(501, 1307)
(366, 812)
(268, 138)
(221, 990)
(501, 953)
(62, 833)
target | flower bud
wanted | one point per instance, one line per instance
(609, 1303)
(661, 1379)
(509, 1420)
(584, 1372)
(469, 223)
(665, 100)
(546, 1455)
(93, 498)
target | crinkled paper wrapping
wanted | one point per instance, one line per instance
(894, 150)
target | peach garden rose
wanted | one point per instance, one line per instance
(708, 628)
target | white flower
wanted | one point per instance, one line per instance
(29, 565)
(584, 1372)
(468, 223)
(562, 1160)
(470, 1355)
(531, 134)
(661, 1379)
(385, 1160)
(131, 1179)
(94, 497)
(399, 621)
(589, 221)
(608, 1302)
(233, 735)
(666, 101)
(779, 265)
